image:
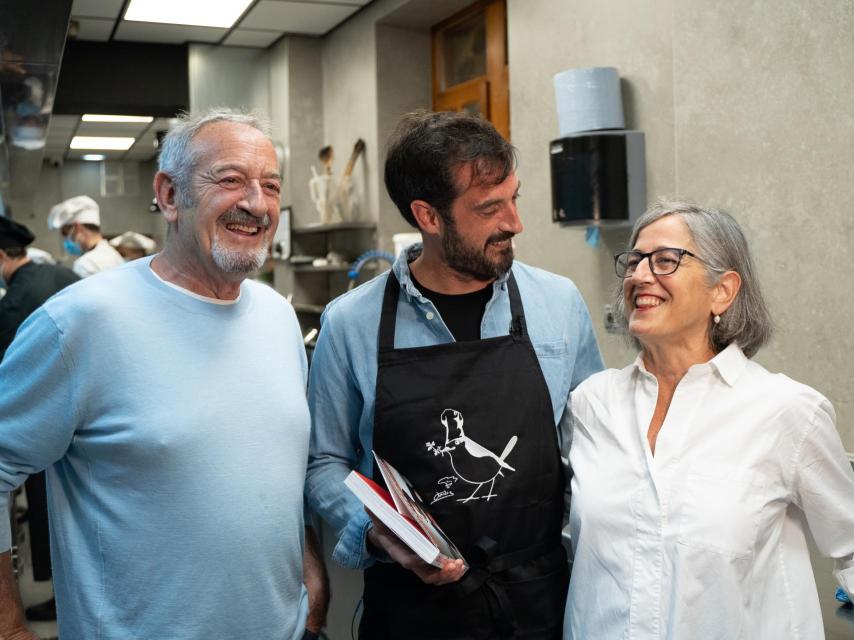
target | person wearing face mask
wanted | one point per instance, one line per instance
(79, 221)
(29, 284)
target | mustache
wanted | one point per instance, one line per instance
(241, 216)
(501, 236)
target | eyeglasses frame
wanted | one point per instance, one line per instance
(648, 255)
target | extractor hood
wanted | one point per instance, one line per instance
(32, 39)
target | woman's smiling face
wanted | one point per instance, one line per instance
(673, 308)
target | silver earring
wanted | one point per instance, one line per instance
(717, 319)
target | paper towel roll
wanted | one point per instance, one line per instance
(588, 100)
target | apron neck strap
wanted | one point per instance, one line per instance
(518, 329)
(389, 312)
(388, 318)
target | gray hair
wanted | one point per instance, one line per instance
(178, 158)
(722, 247)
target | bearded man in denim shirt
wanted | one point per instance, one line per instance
(456, 368)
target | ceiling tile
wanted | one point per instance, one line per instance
(62, 123)
(58, 139)
(94, 29)
(297, 17)
(166, 33)
(141, 154)
(97, 8)
(161, 124)
(252, 38)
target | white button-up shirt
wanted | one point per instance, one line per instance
(706, 539)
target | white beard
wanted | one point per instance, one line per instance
(235, 261)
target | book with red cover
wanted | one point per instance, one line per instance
(401, 510)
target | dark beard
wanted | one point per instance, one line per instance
(473, 262)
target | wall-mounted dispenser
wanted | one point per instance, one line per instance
(598, 176)
(598, 172)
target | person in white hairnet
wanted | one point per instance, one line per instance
(133, 245)
(79, 221)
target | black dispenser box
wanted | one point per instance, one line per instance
(598, 177)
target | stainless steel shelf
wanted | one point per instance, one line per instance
(334, 226)
(305, 268)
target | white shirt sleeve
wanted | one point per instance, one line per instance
(824, 490)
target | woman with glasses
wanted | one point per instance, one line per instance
(697, 472)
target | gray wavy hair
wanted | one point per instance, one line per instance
(722, 247)
(178, 157)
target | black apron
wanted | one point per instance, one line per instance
(470, 424)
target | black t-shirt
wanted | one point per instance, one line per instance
(462, 313)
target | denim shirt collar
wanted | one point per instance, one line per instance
(400, 268)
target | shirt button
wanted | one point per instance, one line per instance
(429, 315)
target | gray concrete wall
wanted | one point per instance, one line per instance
(228, 77)
(746, 107)
(403, 85)
(350, 103)
(296, 111)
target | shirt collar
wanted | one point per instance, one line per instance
(400, 268)
(729, 364)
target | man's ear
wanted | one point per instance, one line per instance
(726, 290)
(164, 191)
(426, 216)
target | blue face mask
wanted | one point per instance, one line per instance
(71, 247)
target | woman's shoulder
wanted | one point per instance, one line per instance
(599, 392)
(780, 383)
(791, 396)
(602, 382)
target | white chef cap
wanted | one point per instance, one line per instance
(80, 209)
(134, 240)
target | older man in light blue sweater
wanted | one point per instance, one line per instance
(166, 398)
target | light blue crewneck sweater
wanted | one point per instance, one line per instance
(177, 430)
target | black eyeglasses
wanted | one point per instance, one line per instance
(662, 262)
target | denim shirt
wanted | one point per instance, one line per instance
(343, 375)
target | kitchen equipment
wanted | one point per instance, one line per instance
(346, 200)
(320, 190)
(325, 156)
(598, 177)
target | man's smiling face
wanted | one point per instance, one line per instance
(236, 193)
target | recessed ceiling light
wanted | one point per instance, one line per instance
(97, 142)
(201, 13)
(94, 157)
(99, 117)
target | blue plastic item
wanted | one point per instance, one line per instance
(842, 596)
(373, 254)
(591, 235)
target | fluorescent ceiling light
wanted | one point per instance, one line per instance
(201, 13)
(94, 157)
(96, 142)
(98, 117)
